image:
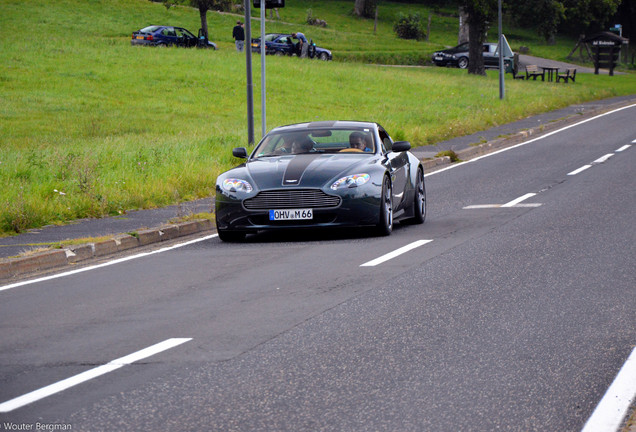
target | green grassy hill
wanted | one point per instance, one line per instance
(90, 125)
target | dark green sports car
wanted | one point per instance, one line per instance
(321, 174)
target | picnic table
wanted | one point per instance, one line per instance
(550, 71)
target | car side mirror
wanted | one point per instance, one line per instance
(401, 146)
(239, 152)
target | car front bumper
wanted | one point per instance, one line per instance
(357, 208)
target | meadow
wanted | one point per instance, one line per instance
(91, 126)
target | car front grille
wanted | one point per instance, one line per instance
(293, 198)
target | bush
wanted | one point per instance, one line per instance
(409, 26)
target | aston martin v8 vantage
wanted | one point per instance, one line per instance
(321, 174)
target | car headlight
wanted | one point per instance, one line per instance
(351, 181)
(236, 185)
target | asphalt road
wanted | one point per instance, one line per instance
(516, 315)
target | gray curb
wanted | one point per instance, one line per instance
(47, 260)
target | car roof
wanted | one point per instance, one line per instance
(464, 45)
(159, 27)
(331, 124)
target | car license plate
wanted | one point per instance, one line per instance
(439, 58)
(292, 214)
(139, 37)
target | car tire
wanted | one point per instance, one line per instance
(462, 63)
(324, 56)
(231, 236)
(385, 222)
(419, 201)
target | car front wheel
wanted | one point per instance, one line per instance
(419, 203)
(324, 56)
(462, 63)
(385, 223)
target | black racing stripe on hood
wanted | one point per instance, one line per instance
(296, 168)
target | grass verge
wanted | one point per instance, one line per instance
(91, 126)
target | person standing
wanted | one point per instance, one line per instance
(304, 45)
(238, 33)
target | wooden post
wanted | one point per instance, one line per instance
(375, 23)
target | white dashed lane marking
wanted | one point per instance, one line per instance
(600, 160)
(59, 386)
(395, 253)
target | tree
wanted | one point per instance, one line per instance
(365, 8)
(463, 27)
(546, 15)
(204, 6)
(574, 17)
(588, 16)
(626, 15)
(478, 13)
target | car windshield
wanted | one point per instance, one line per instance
(270, 37)
(323, 140)
(460, 48)
(149, 29)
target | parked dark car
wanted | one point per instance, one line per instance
(318, 175)
(165, 36)
(458, 56)
(283, 44)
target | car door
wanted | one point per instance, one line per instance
(398, 168)
(285, 44)
(168, 36)
(491, 57)
(184, 37)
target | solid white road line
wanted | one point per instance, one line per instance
(395, 253)
(489, 206)
(481, 206)
(518, 200)
(89, 374)
(603, 158)
(576, 171)
(106, 264)
(530, 141)
(625, 147)
(612, 408)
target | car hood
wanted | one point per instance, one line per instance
(305, 170)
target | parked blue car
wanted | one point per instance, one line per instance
(458, 56)
(283, 44)
(165, 36)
